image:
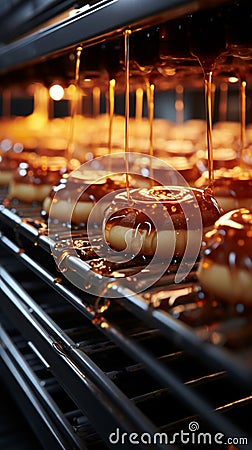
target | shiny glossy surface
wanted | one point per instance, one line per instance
(230, 242)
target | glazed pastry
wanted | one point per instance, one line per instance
(75, 196)
(33, 182)
(9, 163)
(225, 269)
(222, 158)
(232, 188)
(161, 215)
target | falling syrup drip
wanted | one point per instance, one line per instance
(74, 106)
(208, 104)
(243, 119)
(41, 99)
(223, 102)
(208, 42)
(96, 101)
(139, 104)
(150, 99)
(179, 104)
(112, 84)
(127, 34)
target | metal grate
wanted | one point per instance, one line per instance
(103, 18)
(67, 424)
(190, 318)
(20, 17)
(129, 359)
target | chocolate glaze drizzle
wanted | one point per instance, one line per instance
(230, 242)
(181, 205)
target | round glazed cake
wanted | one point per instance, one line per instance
(163, 216)
(232, 188)
(225, 269)
(33, 182)
(75, 196)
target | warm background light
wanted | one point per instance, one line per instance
(56, 92)
(233, 79)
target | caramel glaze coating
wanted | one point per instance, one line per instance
(32, 182)
(160, 221)
(88, 192)
(175, 202)
(232, 188)
(80, 194)
(27, 174)
(230, 242)
(187, 167)
(185, 164)
(232, 182)
(225, 269)
(75, 198)
(190, 174)
(222, 158)
(9, 163)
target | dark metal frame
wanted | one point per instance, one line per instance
(172, 328)
(90, 388)
(105, 18)
(93, 390)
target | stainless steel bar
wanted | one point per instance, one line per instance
(55, 435)
(95, 24)
(40, 393)
(84, 371)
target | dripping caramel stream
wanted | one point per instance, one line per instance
(179, 104)
(74, 106)
(127, 93)
(112, 84)
(223, 102)
(139, 104)
(208, 104)
(243, 119)
(40, 110)
(150, 99)
(96, 101)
